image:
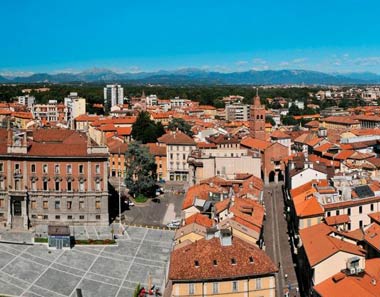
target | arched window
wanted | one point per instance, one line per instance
(262, 117)
(258, 117)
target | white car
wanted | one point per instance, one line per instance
(129, 202)
(176, 222)
(171, 225)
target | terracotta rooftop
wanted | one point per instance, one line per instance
(372, 235)
(254, 143)
(199, 219)
(364, 285)
(279, 135)
(375, 216)
(319, 245)
(210, 260)
(53, 143)
(176, 138)
(337, 220)
(341, 120)
(156, 150)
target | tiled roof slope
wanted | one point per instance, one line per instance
(250, 261)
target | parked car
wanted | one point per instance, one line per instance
(173, 226)
(176, 222)
(129, 203)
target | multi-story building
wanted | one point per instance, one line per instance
(340, 122)
(178, 147)
(76, 106)
(151, 100)
(113, 95)
(26, 100)
(51, 112)
(50, 176)
(237, 112)
(222, 157)
(221, 265)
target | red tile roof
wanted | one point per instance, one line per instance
(176, 138)
(199, 219)
(249, 259)
(319, 245)
(337, 220)
(254, 143)
(365, 285)
(53, 143)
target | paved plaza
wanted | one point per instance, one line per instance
(33, 270)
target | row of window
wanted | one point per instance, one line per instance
(179, 148)
(337, 212)
(183, 156)
(57, 186)
(58, 217)
(57, 204)
(215, 287)
(57, 169)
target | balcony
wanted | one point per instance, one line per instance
(17, 174)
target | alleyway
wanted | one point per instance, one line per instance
(276, 240)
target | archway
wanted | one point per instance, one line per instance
(280, 176)
(271, 176)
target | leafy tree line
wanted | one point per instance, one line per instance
(206, 95)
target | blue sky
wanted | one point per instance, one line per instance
(235, 35)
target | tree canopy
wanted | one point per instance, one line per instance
(141, 173)
(145, 130)
(180, 124)
(269, 119)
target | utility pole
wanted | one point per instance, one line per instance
(119, 173)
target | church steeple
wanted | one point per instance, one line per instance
(256, 99)
(257, 118)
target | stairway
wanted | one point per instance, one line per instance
(17, 223)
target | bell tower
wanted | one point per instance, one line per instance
(257, 120)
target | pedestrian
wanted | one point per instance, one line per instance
(279, 265)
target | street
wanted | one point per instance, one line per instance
(157, 214)
(276, 240)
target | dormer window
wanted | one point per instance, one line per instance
(233, 261)
(251, 260)
(215, 262)
(196, 263)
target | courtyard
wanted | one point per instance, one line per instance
(33, 270)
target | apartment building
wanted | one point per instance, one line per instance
(237, 112)
(113, 95)
(52, 176)
(178, 147)
(221, 265)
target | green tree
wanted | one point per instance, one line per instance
(294, 110)
(141, 173)
(145, 130)
(269, 119)
(289, 120)
(180, 124)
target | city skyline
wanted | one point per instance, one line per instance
(216, 35)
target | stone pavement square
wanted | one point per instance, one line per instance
(112, 271)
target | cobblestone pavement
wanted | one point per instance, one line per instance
(33, 271)
(276, 240)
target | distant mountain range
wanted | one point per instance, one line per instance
(197, 76)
